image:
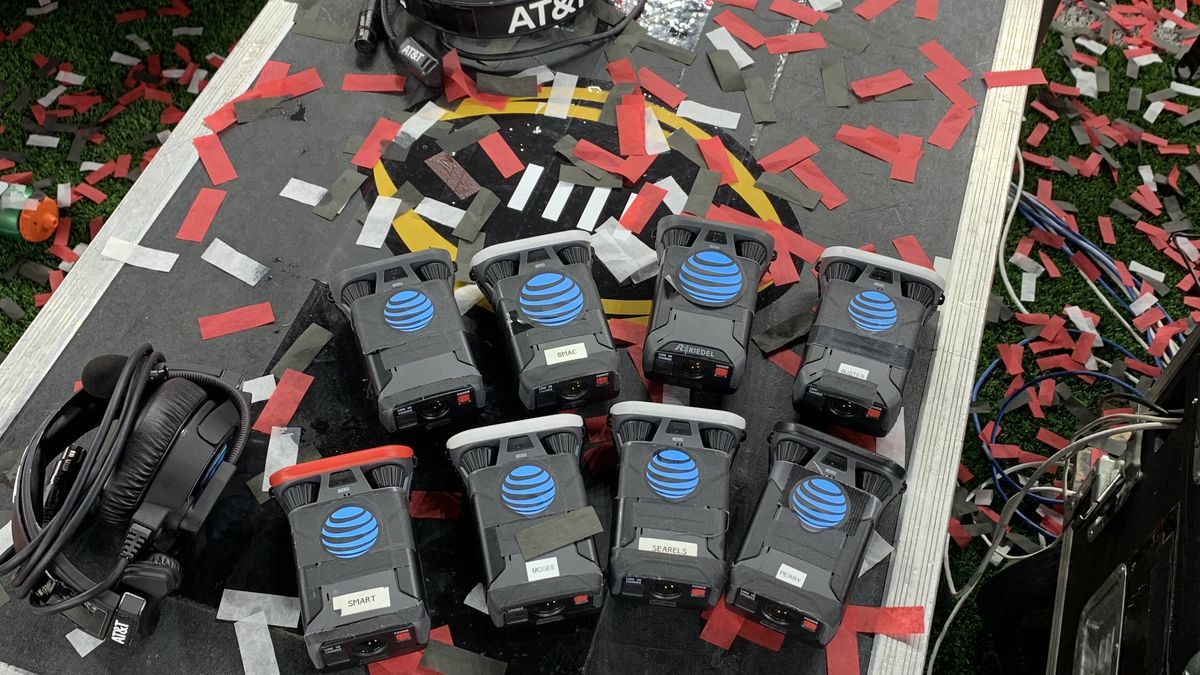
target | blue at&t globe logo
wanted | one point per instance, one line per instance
(819, 503)
(551, 299)
(672, 474)
(527, 490)
(408, 311)
(710, 277)
(349, 532)
(873, 311)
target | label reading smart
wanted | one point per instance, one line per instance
(565, 353)
(853, 371)
(667, 546)
(791, 575)
(543, 568)
(358, 602)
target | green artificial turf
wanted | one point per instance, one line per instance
(86, 34)
(968, 646)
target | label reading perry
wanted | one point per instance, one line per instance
(791, 575)
(668, 546)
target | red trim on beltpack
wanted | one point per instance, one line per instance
(339, 462)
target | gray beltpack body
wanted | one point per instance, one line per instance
(672, 508)
(412, 339)
(704, 302)
(518, 475)
(362, 597)
(806, 543)
(862, 342)
(550, 315)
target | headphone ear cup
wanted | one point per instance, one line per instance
(171, 568)
(157, 426)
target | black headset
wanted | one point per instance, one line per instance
(166, 442)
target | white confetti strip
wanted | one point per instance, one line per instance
(42, 141)
(477, 599)
(1142, 304)
(257, 650)
(717, 117)
(440, 212)
(124, 59)
(83, 643)
(1147, 174)
(79, 250)
(282, 450)
(676, 198)
(1092, 46)
(825, 5)
(414, 127)
(173, 73)
(198, 78)
(304, 192)
(877, 550)
(529, 180)
(673, 394)
(721, 38)
(63, 196)
(561, 92)
(138, 42)
(69, 78)
(1026, 264)
(194, 31)
(44, 8)
(626, 256)
(467, 297)
(6, 536)
(656, 141)
(1185, 89)
(558, 199)
(591, 212)
(88, 167)
(541, 72)
(378, 222)
(234, 263)
(276, 610)
(1086, 81)
(1081, 320)
(260, 388)
(1152, 111)
(139, 256)
(893, 444)
(1148, 272)
(1146, 59)
(1028, 287)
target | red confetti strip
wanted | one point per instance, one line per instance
(802, 13)
(94, 226)
(744, 4)
(170, 116)
(236, 320)
(944, 61)
(790, 44)
(717, 158)
(631, 125)
(874, 142)
(647, 201)
(1051, 268)
(789, 155)
(435, 504)
(1011, 356)
(964, 474)
(1144, 369)
(927, 9)
(21, 31)
(624, 330)
(877, 85)
(722, 627)
(92, 194)
(621, 72)
(216, 162)
(1038, 133)
(498, 150)
(869, 9)
(951, 89)
(665, 91)
(904, 167)
(841, 654)
(740, 29)
(959, 533)
(372, 148)
(951, 126)
(1052, 439)
(1014, 78)
(1085, 265)
(131, 15)
(788, 360)
(273, 70)
(814, 179)
(369, 82)
(910, 251)
(284, 401)
(299, 84)
(200, 215)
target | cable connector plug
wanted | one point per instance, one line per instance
(135, 539)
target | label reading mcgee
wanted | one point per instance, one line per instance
(566, 353)
(362, 601)
(853, 371)
(791, 575)
(667, 546)
(544, 568)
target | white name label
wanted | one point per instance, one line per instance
(853, 371)
(362, 601)
(566, 353)
(544, 568)
(791, 575)
(668, 546)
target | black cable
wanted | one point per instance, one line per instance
(1125, 396)
(552, 47)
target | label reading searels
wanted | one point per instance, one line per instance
(543, 568)
(565, 353)
(791, 575)
(358, 602)
(668, 546)
(853, 371)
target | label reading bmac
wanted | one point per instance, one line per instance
(358, 602)
(791, 575)
(566, 353)
(853, 371)
(668, 546)
(543, 568)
